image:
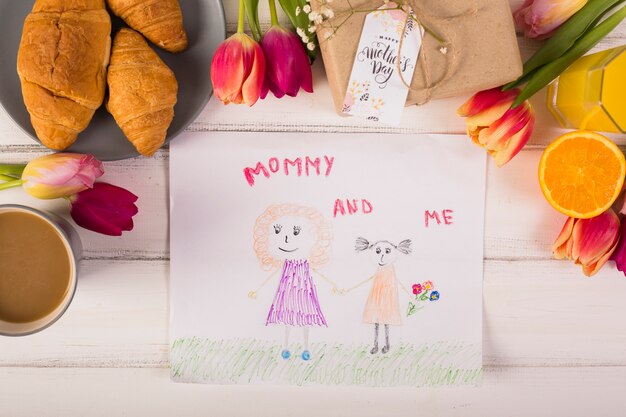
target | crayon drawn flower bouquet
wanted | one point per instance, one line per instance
(423, 293)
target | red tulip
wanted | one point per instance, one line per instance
(238, 70)
(287, 64)
(493, 124)
(105, 209)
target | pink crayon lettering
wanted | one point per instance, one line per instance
(366, 206)
(314, 163)
(297, 162)
(307, 165)
(428, 215)
(274, 164)
(353, 207)
(249, 172)
(434, 215)
(339, 208)
(329, 164)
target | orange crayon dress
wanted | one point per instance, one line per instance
(382, 304)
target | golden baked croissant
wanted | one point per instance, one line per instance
(62, 62)
(142, 92)
(161, 21)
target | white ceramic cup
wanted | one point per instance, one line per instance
(74, 249)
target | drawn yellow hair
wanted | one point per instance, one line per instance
(321, 228)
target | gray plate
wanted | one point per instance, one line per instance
(206, 28)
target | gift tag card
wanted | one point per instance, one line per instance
(375, 90)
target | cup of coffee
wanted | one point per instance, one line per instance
(39, 256)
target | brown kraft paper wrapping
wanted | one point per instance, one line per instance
(482, 50)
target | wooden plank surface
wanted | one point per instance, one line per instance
(510, 392)
(554, 341)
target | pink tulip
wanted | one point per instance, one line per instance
(105, 209)
(540, 18)
(60, 175)
(288, 68)
(588, 242)
(238, 70)
(493, 124)
(619, 256)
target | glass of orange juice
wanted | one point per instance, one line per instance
(591, 93)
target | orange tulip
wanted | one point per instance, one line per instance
(589, 242)
(493, 124)
(238, 70)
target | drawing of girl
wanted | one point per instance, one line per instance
(294, 240)
(382, 306)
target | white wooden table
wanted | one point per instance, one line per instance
(554, 341)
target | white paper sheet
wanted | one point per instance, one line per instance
(287, 248)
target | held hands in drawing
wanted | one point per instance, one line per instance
(252, 294)
(340, 291)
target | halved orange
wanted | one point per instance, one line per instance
(581, 174)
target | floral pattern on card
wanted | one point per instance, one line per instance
(360, 100)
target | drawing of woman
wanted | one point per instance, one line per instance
(294, 240)
(382, 305)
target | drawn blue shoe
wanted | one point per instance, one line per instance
(285, 354)
(306, 355)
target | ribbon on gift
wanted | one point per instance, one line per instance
(446, 42)
(412, 10)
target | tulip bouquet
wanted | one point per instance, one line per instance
(502, 120)
(422, 292)
(246, 69)
(96, 206)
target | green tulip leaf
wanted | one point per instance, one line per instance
(300, 21)
(565, 37)
(547, 73)
(252, 11)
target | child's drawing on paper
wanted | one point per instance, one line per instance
(328, 259)
(382, 305)
(294, 240)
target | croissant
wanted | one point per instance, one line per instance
(61, 63)
(161, 21)
(142, 92)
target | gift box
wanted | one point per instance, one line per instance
(480, 49)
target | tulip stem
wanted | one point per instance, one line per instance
(10, 184)
(241, 25)
(273, 13)
(4, 177)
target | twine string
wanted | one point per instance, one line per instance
(411, 8)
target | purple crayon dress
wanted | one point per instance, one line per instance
(296, 302)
